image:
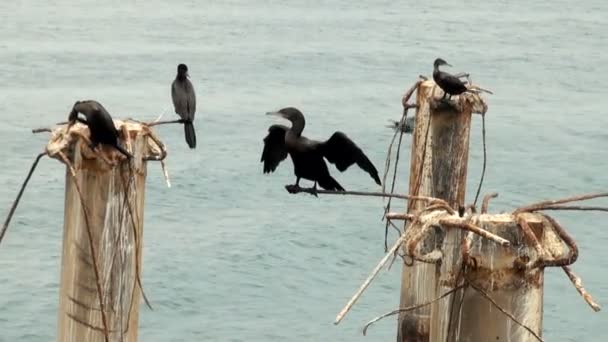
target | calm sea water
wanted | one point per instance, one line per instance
(229, 255)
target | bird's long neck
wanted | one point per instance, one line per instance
(436, 70)
(297, 125)
(181, 77)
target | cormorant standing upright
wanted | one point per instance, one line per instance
(99, 121)
(450, 84)
(184, 101)
(307, 155)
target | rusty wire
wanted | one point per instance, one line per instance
(11, 212)
(483, 169)
(404, 102)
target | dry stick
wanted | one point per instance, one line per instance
(399, 216)
(156, 123)
(91, 246)
(534, 206)
(571, 207)
(367, 281)
(578, 284)
(486, 201)
(483, 170)
(487, 296)
(477, 230)
(410, 308)
(11, 212)
(364, 193)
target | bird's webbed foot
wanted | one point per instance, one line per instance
(313, 190)
(292, 188)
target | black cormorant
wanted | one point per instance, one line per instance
(184, 101)
(450, 84)
(99, 121)
(307, 155)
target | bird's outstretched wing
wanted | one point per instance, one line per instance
(275, 150)
(343, 152)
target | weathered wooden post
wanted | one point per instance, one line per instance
(438, 169)
(102, 240)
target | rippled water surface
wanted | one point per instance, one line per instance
(229, 255)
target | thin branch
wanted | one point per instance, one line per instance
(477, 230)
(156, 123)
(410, 308)
(578, 284)
(399, 216)
(47, 129)
(571, 207)
(369, 279)
(11, 212)
(360, 193)
(483, 170)
(535, 206)
(487, 296)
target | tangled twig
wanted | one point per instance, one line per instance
(16, 202)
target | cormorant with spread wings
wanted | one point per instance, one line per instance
(308, 155)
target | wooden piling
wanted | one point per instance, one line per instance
(102, 240)
(438, 169)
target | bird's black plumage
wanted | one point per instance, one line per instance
(450, 84)
(99, 121)
(184, 102)
(308, 156)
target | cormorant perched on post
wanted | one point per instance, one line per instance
(307, 155)
(184, 101)
(99, 121)
(450, 84)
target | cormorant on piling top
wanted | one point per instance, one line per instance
(449, 83)
(99, 121)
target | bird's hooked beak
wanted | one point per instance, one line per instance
(448, 64)
(279, 114)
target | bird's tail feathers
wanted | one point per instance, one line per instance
(190, 134)
(328, 183)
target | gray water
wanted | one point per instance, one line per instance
(229, 255)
